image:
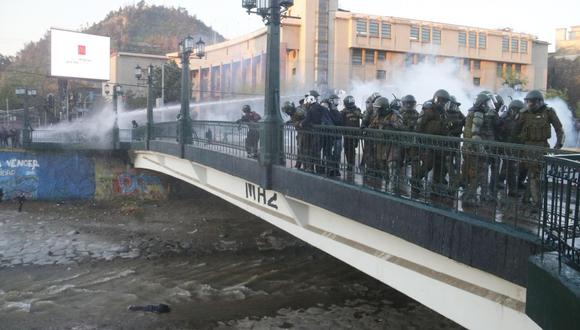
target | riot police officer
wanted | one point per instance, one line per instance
(387, 153)
(480, 125)
(368, 115)
(251, 118)
(508, 131)
(432, 121)
(455, 122)
(351, 116)
(297, 115)
(535, 121)
(410, 154)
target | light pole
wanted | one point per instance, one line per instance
(117, 90)
(187, 46)
(26, 129)
(272, 141)
(149, 127)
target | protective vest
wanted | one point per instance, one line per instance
(352, 117)
(535, 126)
(410, 117)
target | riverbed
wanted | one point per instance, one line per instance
(80, 264)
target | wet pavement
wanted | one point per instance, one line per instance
(79, 265)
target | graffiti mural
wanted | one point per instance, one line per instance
(115, 179)
(138, 184)
(46, 176)
(19, 175)
(76, 175)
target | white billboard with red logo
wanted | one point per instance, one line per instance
(79, 55)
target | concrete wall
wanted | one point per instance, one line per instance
(76, 175)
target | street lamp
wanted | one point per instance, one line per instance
(117, 90)
(272, 140)
(187, 47)
(26, 129)
(149, 78)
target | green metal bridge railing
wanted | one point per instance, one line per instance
(561, 209)
(483, 179)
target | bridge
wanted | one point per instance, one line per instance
(493, 260)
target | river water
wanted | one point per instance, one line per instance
(79, 265)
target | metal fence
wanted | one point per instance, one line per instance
(497, 182)
(561, 199)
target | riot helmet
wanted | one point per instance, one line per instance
(534, 100)
(454, 105)
(314, 93)
(408, 102)
(484, 102)
(289, 108)
(516, 105)
(381, 105)
(395, 104)
(349, 101)
(246, 108)
(309, 100)
(333, 100)
(441, 97)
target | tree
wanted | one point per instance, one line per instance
(564, 75)
(172, 82)
(513, 79)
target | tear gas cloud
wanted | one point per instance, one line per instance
(420, 80)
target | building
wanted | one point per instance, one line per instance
(123, 70)
(568, 42)
(328, 46)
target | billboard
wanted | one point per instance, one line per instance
(79, 55)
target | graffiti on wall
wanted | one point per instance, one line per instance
(46, 176)
(116, 179)
(139, 184)
(19, 175)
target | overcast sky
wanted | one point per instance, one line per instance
(22, 21)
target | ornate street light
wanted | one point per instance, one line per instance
(200, 49)
(149, 78)
(26, 129)
(188, 46)
(271, 138)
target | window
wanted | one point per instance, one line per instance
(471, 39)
(515, 45)
(524, 46)
(518, 68)
(414, 32)
(374, 28)
(361, 26)
(476, 65)
(505, 44)
(425, 33)
(482, 42)
(476, 81)
(381, 55)
(386, 30)
(462, 38)
(499, 69)
(409, 59)
(466, 64)
(381, 75)
(437, 36)
(369, 56)
(357, 56)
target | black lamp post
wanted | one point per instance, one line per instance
(26, 129)
(117, 90)
(149, 78)
(272, 141)
(187, 46)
